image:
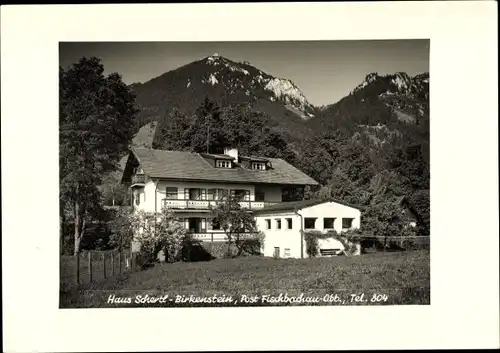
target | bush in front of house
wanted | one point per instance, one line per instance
(155, 232)
(250, 246)
(349, 239)
(312, 245)
(245, 247)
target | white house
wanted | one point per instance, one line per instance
(285, 223)
(188, 183)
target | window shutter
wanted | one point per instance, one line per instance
(203, 225)
(186, 194)
(233, 192)
(209, 224)
(247, 195)
(203, 194)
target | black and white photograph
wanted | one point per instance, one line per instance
(244, 173)
(250, 176)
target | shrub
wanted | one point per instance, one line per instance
(251, 246)
(348, 239)
(159, 231)
(311, 239)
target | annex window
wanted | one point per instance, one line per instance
(328, 223)
(258, 165)
(287, 252)
(309, 223)
(172, 193)
(347, 223)
(278, 224)
(268, 224)
(220, 163)
(289, 223)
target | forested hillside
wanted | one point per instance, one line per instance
(369, 148)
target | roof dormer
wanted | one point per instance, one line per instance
(219, 160)
(223, 163)
(255, 163)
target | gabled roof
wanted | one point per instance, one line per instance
(298, 205)
(181, 165)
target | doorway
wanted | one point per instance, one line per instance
(196, 225)
(276, 252)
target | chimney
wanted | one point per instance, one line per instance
(232, 152)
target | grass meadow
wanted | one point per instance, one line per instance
(378, 278)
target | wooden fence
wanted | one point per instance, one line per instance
(89, 266)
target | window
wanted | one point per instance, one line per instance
(268, 224)
(309, 223)
(287, 252)
(220, 194)
(215, 194)
(172, 193)
(289, 223)
(220, 163)
(215, 225)
(137, 199)
(328, 223)
(241, 194)
(347, 223)
(259, 195)
(278, 224)
(258, 165)
(197, 194)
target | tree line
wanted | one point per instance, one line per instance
(354, 164)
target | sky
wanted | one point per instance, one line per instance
(325, 71)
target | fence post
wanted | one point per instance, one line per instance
(112, 263)
(120, 261)
(78, 268)
(104, 264)
(90, 266)
(131, 260)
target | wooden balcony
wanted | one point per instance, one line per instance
(206, 204)
(138, 180)
(219, 236)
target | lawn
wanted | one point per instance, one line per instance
(387, 278)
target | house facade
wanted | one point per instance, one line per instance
(285, 223)
(189, 183)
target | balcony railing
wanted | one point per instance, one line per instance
(206, 204)
(138, 179)
(219, 236)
